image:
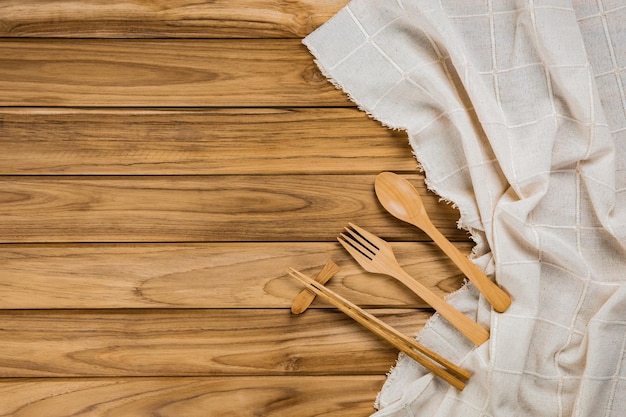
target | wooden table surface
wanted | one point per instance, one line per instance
(161, 164)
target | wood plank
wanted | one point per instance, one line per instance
(205, 276)
(56, 343)
(277, 396)
(173, 18)
(144, 73)
(202, 208)
(198, 141)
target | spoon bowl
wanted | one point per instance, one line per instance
(398, 196)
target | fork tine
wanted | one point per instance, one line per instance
(371, 238)
(362, 241)
(356, 254)
(356, 245)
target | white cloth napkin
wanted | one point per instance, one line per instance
(516, 113)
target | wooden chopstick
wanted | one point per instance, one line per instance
(448, 371)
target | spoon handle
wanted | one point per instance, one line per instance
(494, 294)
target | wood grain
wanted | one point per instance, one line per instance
(267, 396)
(212, 208)
(144, 73)
(194, 342)
(46, 141)
(236, 275)
(161, 164)
(165, 19)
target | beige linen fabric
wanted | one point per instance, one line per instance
(516, 113)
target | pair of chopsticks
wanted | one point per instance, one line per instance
(443, 368)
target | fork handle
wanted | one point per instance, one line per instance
(468, 327)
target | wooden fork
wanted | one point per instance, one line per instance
(375, 255)
(443, 368)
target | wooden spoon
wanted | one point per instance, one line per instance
(401, 199)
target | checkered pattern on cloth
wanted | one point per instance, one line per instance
(515, 110)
